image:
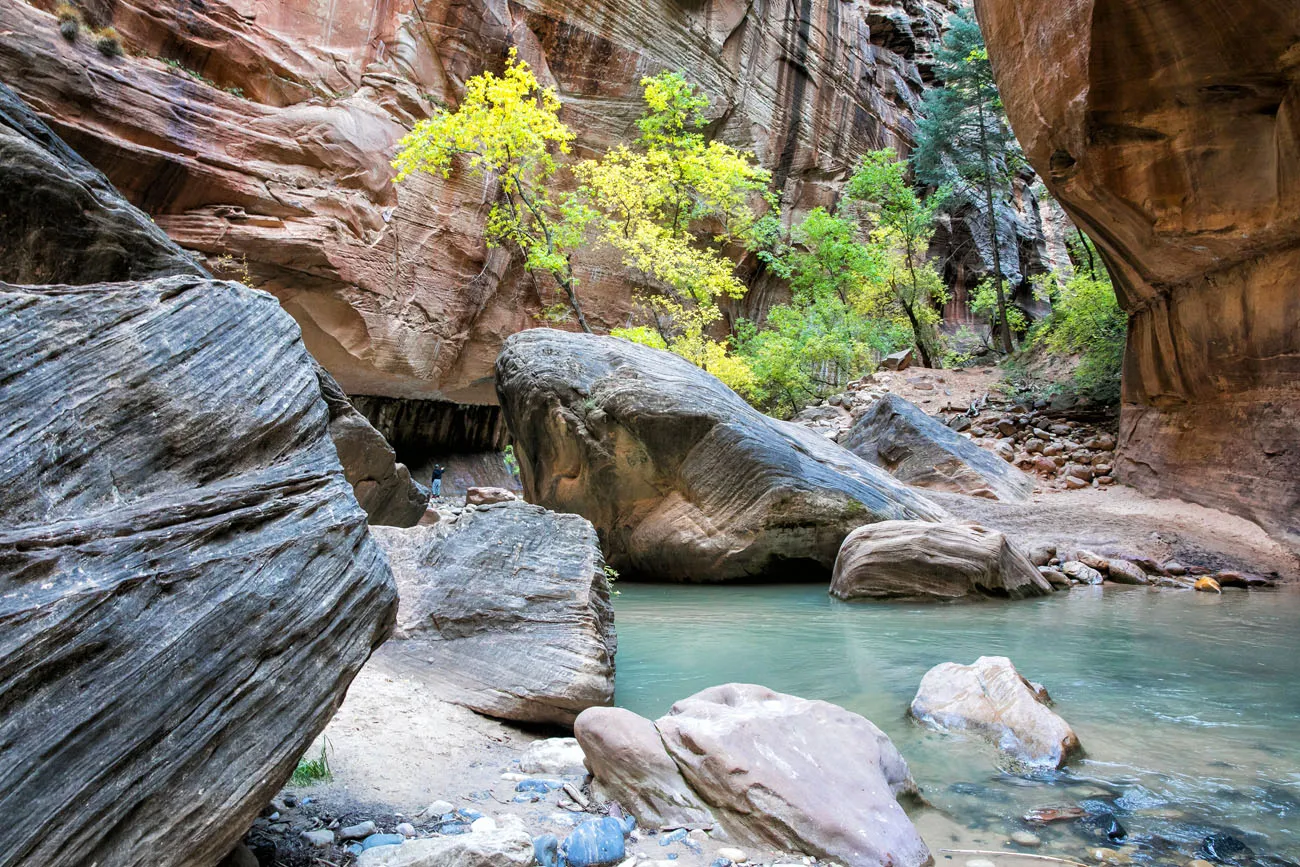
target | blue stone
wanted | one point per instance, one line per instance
(538, 785)
(469, 814)
(355, 849)
(594, 843)
(453, 828)
(721, 862)
(382, 840)
(673, 837)
(546, 849)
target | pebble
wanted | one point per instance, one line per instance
(406, 829)
(359, 831)
(980, 862)
(1199, 863)
(482, 825)
(1025, 838)
(1110, 856)
(320, 838)
(735, 856)
(439, 808)
(382, 840)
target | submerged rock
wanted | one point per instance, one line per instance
(683, 479)
(507, 610)
(626, 756)
(795, 775)
(921, 560)
(992, 699)
(898, 436)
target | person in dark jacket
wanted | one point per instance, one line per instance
(436, 483)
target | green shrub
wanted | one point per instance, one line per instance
(312, 770)
(1087, 321)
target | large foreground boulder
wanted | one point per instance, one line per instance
(774, 770)
(629, 763)
(922, 560)
(683, 479)
(188, 583)
(992, 699)
(898, 435)
(507, 609)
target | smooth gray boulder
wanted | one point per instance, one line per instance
(507, 845)
(189, 585)
(683, 479)
(507, 610)
(921, 560)
(629, 764)
(991, 699)
(916, 449)
(382, 485)
(795, 775)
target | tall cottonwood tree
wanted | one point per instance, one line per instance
(964, 139)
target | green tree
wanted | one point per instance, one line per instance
(508, 128)
(903, 227)
(964, 138)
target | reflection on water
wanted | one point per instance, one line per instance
(1187, 704)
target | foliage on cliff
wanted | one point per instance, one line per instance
(667, 203)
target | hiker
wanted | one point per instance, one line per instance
(438, 470)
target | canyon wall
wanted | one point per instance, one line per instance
(258, 132)
(1170, 131)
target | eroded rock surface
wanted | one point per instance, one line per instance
(683, 479)
(900, 437)
(993, 700)
(1171, 134)
(796, 775)
(507, 609)
(263, 131)
(627, 758)
(923, 560)
(179, 544)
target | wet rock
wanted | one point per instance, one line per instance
(1224, 848)
(1048, 815)
(922, 560)
(1111, 856)
(1207, 585)
(1242, 580)
(507, 846)
(631, 766)
(684, 480)
(795, 775)
(1124, 572)
(919, 450)
(1055, 577)
(1026, 839)
(990, 698)
(1083, 574)
(594, 843)
(507, 611)
(556, 756)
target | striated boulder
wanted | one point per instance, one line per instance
(179, 544)
(898, 435)
(629, 763)
(683, 479)
(382, 485)
(992, 699)
(922, 560)
(507, 610)
(795, 775)
(263, 130)
(1170, 131)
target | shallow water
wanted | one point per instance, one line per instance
(1187, 704)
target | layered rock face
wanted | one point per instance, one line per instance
(1171, 133)
(683, 479)
(179, 542)
(507, 609)
(268, 136)
(915, 448)
(772, 769)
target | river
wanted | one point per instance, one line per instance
(1187, 704)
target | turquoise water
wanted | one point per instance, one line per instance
(1187, 704)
